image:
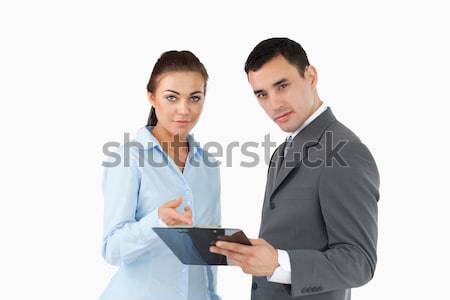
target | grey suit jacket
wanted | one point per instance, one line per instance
(321, 207)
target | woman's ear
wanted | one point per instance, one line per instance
(151, 98)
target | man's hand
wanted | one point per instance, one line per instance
(261, 259)
(168, 214)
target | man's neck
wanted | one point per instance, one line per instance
(311, 117)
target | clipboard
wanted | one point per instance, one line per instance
(190, 244)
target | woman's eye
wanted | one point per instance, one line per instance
(171, 98)
(195, 98)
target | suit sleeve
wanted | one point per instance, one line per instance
(348, 196)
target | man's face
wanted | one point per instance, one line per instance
(287, 97)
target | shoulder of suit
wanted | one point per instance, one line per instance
(340, 131)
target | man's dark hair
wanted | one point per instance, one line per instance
(270, 48)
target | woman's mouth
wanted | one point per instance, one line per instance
(182, 122)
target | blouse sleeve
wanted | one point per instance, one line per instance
(124, 237)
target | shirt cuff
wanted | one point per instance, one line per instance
(161, 223)
(282, 273)
(148, 222)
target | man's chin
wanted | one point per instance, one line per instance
(286, 128)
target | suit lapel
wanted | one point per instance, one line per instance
(306, 138)
(274, 168)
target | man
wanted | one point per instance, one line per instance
(318, 229)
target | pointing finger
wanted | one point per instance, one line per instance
(174, 203)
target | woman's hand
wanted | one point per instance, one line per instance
(168, 214)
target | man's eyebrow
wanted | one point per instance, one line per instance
(172, 91)
(281, 81)
(277, 83)
(256, 92)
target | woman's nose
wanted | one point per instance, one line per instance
(183, 107)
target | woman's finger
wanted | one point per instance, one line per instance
(188, 212)
(173, 203)
(179, 218)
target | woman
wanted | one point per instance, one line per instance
(162, 163)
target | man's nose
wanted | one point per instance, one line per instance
(275, 102)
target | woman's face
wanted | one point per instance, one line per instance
(178, 101)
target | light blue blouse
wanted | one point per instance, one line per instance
(133, 190)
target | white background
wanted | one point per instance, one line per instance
(73, 76)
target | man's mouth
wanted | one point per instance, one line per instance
(283, 117)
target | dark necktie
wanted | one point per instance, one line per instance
(283, 150)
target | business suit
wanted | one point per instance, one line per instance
(323, 214)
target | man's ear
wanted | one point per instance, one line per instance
(311, 75)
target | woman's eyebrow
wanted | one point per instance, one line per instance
(197, 92)
(172, 91)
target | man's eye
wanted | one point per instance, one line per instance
(261, 95)
(283, 86)
(171, 98)
(195, 98)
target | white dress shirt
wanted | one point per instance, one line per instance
(282, 273)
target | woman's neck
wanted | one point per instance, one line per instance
(176, 146)
(168, 139)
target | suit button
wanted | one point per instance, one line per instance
(254, 286)
(272, 205)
